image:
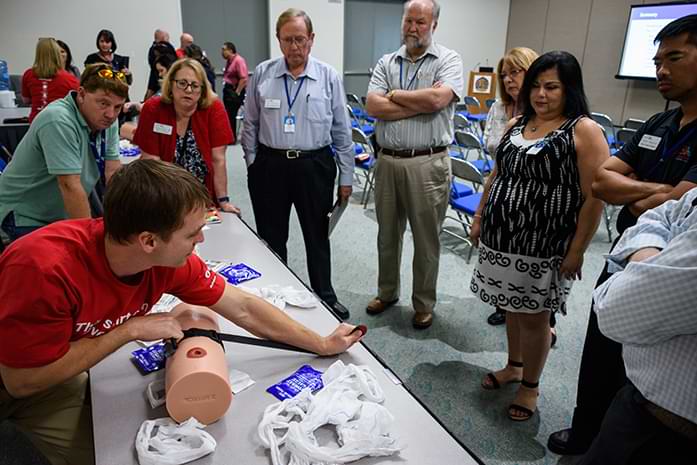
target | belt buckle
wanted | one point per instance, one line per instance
(292, 154)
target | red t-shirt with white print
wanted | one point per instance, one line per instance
(56, 287)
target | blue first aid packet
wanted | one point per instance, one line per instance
(236, 274)
(304, 377)
(149, 359)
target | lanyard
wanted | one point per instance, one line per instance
(99, 156)
(285, 85)
(670, 151)
(401, 84)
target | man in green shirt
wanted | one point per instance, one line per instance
(70, 145)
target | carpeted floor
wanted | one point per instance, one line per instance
(445, 364)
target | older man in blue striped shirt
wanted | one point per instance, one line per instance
(295, 111)
(649, 305)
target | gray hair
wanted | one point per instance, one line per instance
(435, 9)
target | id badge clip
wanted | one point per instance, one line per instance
(289, 124)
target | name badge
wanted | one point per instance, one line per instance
(535, 149)
(159, 128)
(649, 142)
(289, 124)
(272, 103)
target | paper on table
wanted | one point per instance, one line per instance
(335, 215)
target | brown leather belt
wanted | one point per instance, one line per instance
(675, 422)
(414, 152)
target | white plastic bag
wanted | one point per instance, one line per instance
(349, 400)
(164, 442)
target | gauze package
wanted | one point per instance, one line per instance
(164, 442)
(350, 400)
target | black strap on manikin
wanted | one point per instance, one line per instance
(171, 345)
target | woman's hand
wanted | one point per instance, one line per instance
(571, 266)
(475, 229)
(230, 208)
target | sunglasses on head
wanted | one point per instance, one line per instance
(108, 73)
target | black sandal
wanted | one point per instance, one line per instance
(526, 411)
(495, 382)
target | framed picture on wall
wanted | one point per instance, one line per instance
(482, 84)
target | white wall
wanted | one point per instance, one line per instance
(77, 22)
(328, 23)
(476, 29)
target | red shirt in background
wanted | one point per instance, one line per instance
(235, 69)
(56, 287)
(210, 125)
(41, 92)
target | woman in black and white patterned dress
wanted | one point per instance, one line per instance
(536, 218)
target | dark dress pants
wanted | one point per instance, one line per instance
(275, 184)
(601, 375)
(233, 102)
(630, 435)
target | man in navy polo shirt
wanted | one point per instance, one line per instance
(657, 165)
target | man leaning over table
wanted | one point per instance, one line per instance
(70, 145)
(412, 93)
(75, 291)
(295, 112)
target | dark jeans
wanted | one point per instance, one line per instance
(630, 435)
(275, 184)
(232, 101)
(13, 231)
(601, 375)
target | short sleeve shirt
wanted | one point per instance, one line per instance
(661, 152)
(57, 143)
(41, 92)
(56, 287)
(397, 71)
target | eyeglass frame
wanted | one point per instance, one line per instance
(512, 74)
(300, 41)
(188, 85)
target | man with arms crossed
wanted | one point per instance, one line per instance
(412, 93)
(657, 165)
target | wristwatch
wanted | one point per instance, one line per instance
(390, 94)
(223, 199)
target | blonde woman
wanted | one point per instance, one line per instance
(46, 80)
(188, 125)
(511, 72)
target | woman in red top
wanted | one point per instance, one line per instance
(46, 81)
(187, 125)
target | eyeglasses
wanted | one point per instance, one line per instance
(513, 74)
(108, 73)
(183, 84)
(300, 41)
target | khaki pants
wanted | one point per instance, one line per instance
(415, 189)
(57, 421)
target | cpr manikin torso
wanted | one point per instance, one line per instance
(196, 379)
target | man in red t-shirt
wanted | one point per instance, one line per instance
(75, 291)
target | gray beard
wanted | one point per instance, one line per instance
(412, 43)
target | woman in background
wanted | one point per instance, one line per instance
(511, 72)
(67, 57)
(46, 80)
(195, 52)
(106, 53)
